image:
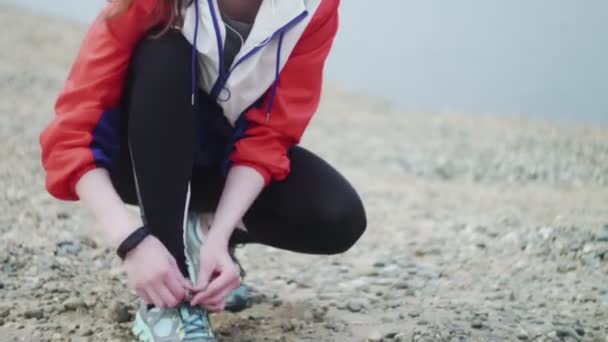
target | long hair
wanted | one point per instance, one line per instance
(168, 12)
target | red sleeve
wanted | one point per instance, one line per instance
(265, 144)
(92, 89)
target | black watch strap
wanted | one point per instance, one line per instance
(132, 241)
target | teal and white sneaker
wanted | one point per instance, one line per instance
(238, 299)
(181, 324)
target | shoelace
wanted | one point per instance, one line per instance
(232, 253)
(195, 322)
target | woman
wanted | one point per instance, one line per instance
(188, 108)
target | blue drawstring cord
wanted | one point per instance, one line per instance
(275, 85)
(194, 51)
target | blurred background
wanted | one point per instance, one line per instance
(541, 59)
(475, 132)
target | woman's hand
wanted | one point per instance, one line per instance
(218, 275)
(154, 274)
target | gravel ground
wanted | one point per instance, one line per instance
(480, 228)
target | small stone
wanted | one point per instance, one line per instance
(400, 337)
(89, 242)
(87, 332)
(287, 326)
(277, 302)
(563, 332)
(390, 335)
(379, 264)
(333, 326)
(69, 247)
(119, 312)
(33, 313)
(80, 339)
(603, 237)
(316, 314)
(375, 336)
(355, 306)
(477, 325)
(522, 336)
(402, 285)
(56, 337)
(414, 314)
(580, 331)
(423, 322)
(63, 215)
(73, 304)
(5, 311)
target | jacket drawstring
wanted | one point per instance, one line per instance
(194, 51)
(275, 85)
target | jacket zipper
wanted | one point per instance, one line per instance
(225, 74)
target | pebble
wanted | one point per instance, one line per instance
(316, 314)
(119, 312)
(414, 314)
(73, 304)
(603, 237)
(5, 311)
(286, 326)
(402, 285)
(563, 332)
(355, 306)
(89, 242)
(333, 326)
(477, 324)
(290, 325)
(33, 313)
(87, 332)
(69, 246)
(400, 337)
(390, 335)
(375, 336)
(80, 339)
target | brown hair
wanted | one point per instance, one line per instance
(168, 12)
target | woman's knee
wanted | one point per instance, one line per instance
(343, 222)
(163, 59)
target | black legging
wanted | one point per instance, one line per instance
(315, 210)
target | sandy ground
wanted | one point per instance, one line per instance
(480, 228)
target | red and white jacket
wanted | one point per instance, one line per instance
(281, 62)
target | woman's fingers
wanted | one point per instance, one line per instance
(221, 283)
(220, 298)
(176, 287)
(169, 300)
(144, 297)
(184, 282)
(155, 298)
(204, 275)
(224, 283)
